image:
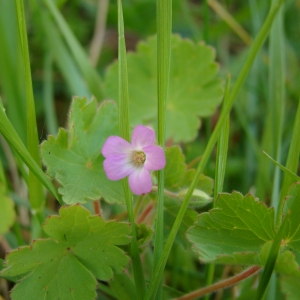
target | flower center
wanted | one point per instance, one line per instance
(139, 157)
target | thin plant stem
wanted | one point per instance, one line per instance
(125, 134)
(98, 36)
(221, 285)
(227, 17)
(97, 207)
(145, 213)
(164, 27)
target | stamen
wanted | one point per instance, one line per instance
(139, 157)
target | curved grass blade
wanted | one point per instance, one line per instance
(11, 136)
(91, 76)
(36, 195)
(140, 284)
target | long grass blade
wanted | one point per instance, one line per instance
(221, 159)
(164, 28)
(125, 133)
(36, 196)
(11, 136)
(91, 76)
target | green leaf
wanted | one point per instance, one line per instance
(194, 90)
(7, 212)
(178, 176)
(292, 234)
(286, 264)
(81, 249)
(235, 229)
(74, 157)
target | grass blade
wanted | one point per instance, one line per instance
(11, 136)
(291, 174)
(49, 109)
(164, 28)
(37, 200)
(125, 133)
(63, 59)
(10, 56)
(91, 76)
(291, 164)
(220, 169)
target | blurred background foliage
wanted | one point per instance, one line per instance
(57, 76)
(227, 25)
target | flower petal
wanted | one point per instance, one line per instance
(142, 136)
(118, 166)
(140, 181)
(155, 158)
(115, 145)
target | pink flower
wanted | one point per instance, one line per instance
(134, 160)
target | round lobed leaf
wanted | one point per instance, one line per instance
(194, 89)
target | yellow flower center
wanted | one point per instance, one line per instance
(139, 157)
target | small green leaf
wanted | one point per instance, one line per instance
(178, 177)
(81, 249)
(194, 90)
(287, 265)
(144, 235)
(236, 228)
(74, 157)
(7, 212)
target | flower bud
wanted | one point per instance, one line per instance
(198, 198)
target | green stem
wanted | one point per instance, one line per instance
(157, 275)
(125, 133)
(164, 25)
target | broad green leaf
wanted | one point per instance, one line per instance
(81, 249)
(235, 229)
(74, 157)
(194, 89)
(7, 212)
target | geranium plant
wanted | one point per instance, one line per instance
(129, 199)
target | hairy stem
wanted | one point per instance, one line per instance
(221, 285)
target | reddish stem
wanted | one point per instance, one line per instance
(97, 207)
(145, 213)
(220, 285)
